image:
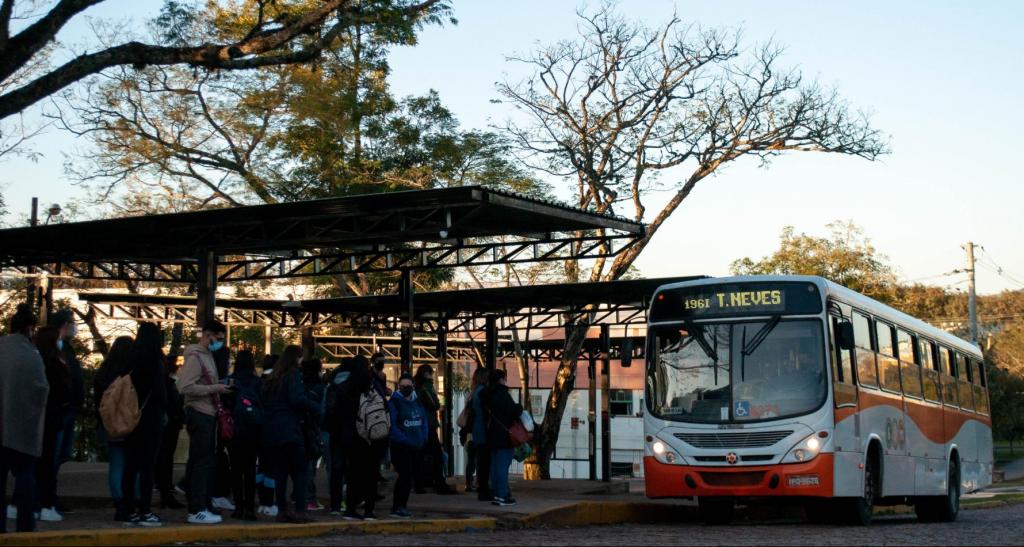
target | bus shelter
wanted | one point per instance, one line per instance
(494, 312)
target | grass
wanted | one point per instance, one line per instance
(1003, 454)
(997, 501)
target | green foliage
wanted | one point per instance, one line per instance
(1006, 393)
(846, 257)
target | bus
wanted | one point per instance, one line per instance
(797, 389)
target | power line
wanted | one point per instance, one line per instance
(1000, 271)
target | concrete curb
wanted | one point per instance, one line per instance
(236, 533)
(590, 513)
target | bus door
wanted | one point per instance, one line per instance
(844, 389)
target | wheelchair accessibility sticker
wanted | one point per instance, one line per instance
(742, 409)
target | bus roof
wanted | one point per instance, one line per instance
(851, 297)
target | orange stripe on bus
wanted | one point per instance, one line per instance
(939, 424)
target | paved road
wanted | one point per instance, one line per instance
(1000, 526)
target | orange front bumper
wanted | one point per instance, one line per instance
(674, 481)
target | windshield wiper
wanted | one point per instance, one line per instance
(750, 347)
(697, 333)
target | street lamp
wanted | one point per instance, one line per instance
(52, 211)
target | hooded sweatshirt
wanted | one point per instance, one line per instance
(197, 390)
(23, 394)
(408, 421)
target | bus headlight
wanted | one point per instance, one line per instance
(663, 453)
(804, 451)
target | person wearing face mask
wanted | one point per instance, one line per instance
(198, 383)
(502, 411)
(64, 321)
(432, 471)
(57, 404)
(408, 437)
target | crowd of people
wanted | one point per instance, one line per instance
(251, 434)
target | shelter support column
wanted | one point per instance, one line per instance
(606, 422)
(206, 288)
(491, 344)
(308, 343)
(592, 414)
(406, 293)
(445, 369)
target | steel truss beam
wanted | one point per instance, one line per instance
(162, 313)
(378, 258)
(423, 350)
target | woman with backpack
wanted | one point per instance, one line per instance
(409, 431)
(359, 408)
(502, 413)
(146, 361)
(247, 411)
(114, 365)
(285, 401)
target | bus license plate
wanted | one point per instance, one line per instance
(802, 480)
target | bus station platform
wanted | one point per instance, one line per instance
(557, 503)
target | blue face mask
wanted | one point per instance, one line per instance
(60, 344)
(216, 345)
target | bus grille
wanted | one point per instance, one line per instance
(753, 478)
(752, 439)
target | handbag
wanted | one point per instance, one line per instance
(518, 435)
(225, 422)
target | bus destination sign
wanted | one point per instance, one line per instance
(736, 299)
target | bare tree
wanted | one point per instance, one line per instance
(280, 33)
(625, 109)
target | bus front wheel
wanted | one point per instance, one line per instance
(716, 510)
(860, 510)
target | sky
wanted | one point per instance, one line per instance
(942, 79)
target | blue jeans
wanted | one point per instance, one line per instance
(65, 439)
(501, 460)
(23, 467)
(115, 467)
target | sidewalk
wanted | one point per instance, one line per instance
(83, 487)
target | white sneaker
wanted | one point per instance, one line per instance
(204, 517)
(268, 510)
(222, 503)
(50, 514)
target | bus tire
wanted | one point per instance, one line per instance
(942, 508)
(861, 510)
(715, 511)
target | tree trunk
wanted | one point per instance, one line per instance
(538, 466)
(177, 332)
(99, 342)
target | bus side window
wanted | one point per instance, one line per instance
(966, 391)
(867, 375)
(910, 371)
(843, 361)
(980, 393)
(947, 360)
(888, 366)
(929, 370)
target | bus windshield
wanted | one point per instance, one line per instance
(737, 371)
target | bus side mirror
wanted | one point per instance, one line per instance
(844, 335)
(626, 352)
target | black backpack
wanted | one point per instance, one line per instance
(248, 410)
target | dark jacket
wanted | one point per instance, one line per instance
(283, 410)
(151, 388)
(347, 410)
(428, 398)
(502, 412)
(408, 423)
(59, 400)
(77, 379)
(316, 390)
(175, 404)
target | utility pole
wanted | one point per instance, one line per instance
(972, 297)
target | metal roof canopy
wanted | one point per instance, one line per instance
(615, 302)
(375, 232)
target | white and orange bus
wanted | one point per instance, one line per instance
(795, 387)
